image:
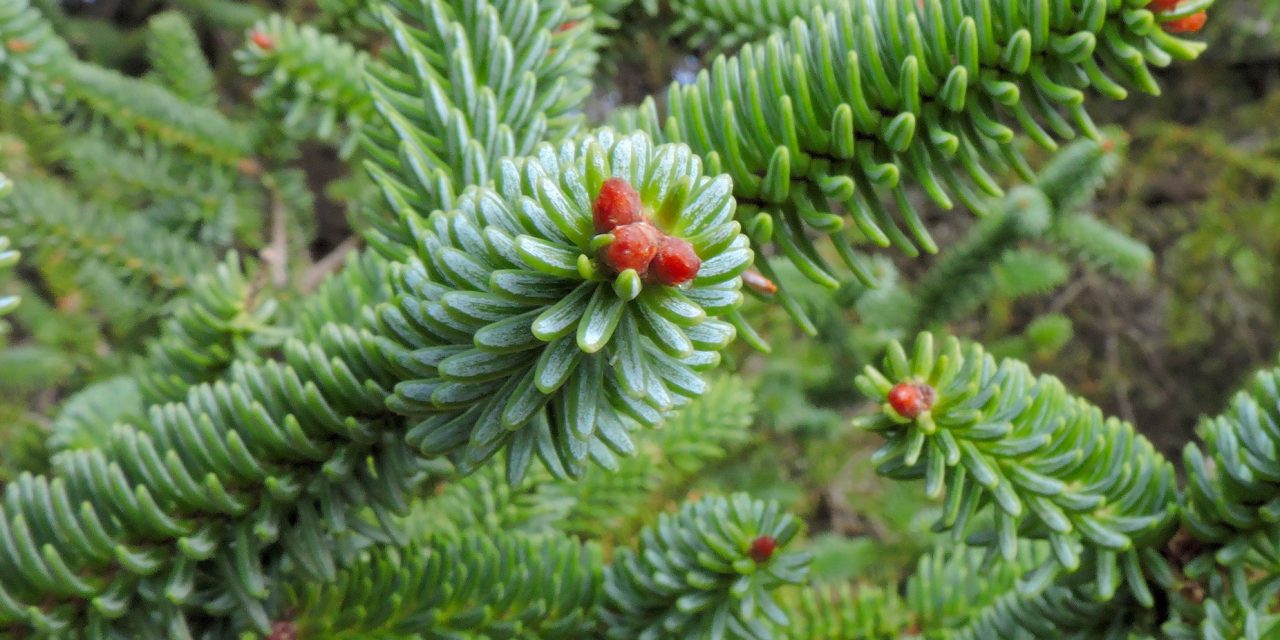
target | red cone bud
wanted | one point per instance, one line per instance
(676, 262)
(1189, 24)
(18, 45)
(762, 549)
(262, 41)
(617, 204)
(910, 399)
(633, 247)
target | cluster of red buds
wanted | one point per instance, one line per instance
(637, 243)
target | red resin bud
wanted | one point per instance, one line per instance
(262, 41)
(762, 549)
(676, 262)
(910, 399)
(633, 247)
(566, 26)
(1189, 24)
(617, 204)
(1163, 5)
(18, 45)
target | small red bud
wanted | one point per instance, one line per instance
(633, 247)
(262, 41)
(1189, 24)
(676, 262)
(566, 26)
(283, 630)
(911, 399)
(249, 166)
(18, 45)
(762, 549)
(1163, 5)
(758, 283)
(617, 204)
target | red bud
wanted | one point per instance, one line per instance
(1189, 24)
(634, 246)
(617, 204)
(262, 41)
(676, 262)
(910, 399)
(762, 549)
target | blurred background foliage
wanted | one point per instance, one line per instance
(1158, 332)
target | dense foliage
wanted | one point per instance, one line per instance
(441, 319)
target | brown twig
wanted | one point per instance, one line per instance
(330, 263)
(276, 255)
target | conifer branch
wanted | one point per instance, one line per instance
(85, 419)
(49, 216)
(855, 104)
(952, 585)
(609, 504)
(352, 293)
(136, 107)
(470, 83)
(989, 258)
(8, 256)
(521, 338)
(1237, 602)
(707, 571)
(346, 15)
(136, 179)
(538, 290)
(972, 594)
(1045, 465)
(311, 82)
(222, 319)
(1229, 506)
(725, 25)
(33, 58)
(191, 504)
(1232, 490)
(189, 500)
(173, 48)
(844, 612)
(448, 588)
(226, 13)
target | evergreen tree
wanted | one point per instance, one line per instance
(470, 419)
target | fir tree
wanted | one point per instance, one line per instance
(472, 423)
